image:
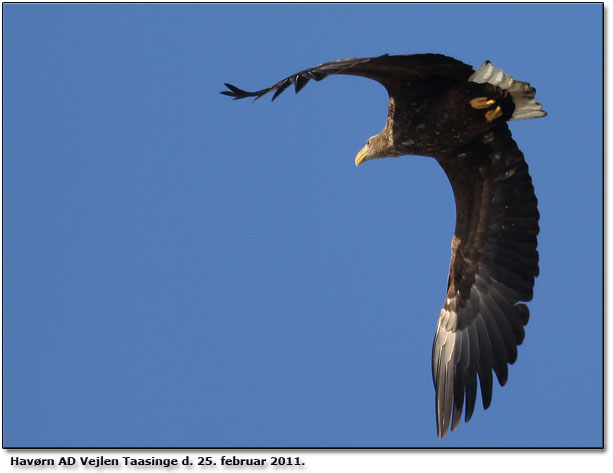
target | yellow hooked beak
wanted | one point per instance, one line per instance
(362, 156)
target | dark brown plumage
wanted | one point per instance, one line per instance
(441, 107)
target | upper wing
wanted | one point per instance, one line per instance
(388, 70)
(493, 265)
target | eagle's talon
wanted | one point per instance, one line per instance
(491, 115)
(481, 102)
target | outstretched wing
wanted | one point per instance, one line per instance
(388, 70)
(493, 265)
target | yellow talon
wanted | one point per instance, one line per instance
(493, 114)
(482, 102)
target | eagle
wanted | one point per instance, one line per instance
(442, 108)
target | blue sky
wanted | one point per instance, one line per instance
(182, 270)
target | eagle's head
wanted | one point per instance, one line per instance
(377, 146)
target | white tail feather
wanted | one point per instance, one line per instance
(521, 92)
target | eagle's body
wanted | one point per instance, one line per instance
(442, 108)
